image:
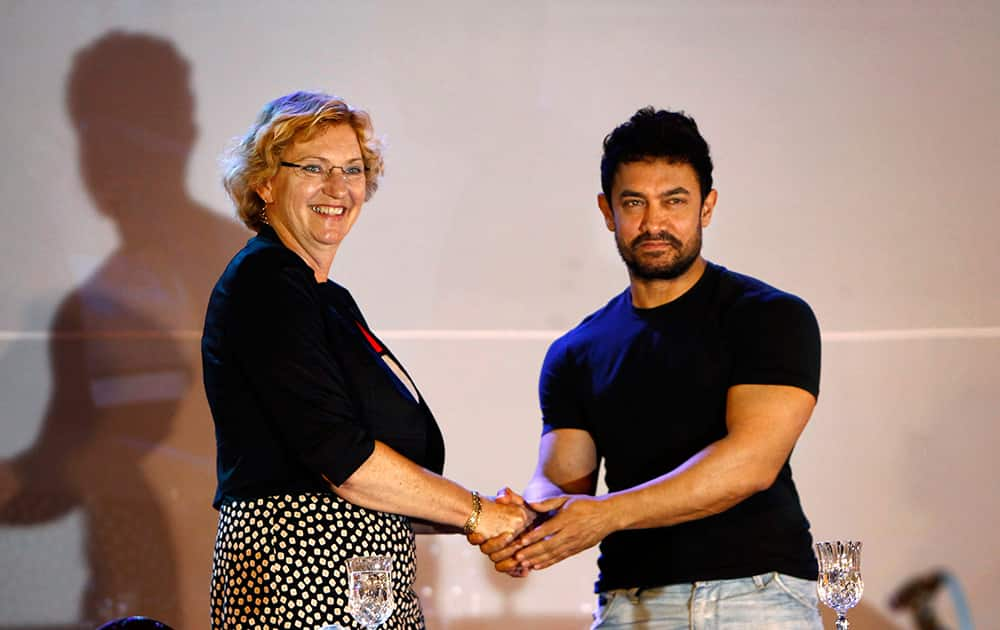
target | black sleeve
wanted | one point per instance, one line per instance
(287, 354)
(776, 341)
(560, 391)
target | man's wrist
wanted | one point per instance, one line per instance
(617, 510)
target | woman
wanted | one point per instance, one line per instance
(326, 449)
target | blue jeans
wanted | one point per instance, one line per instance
(771, 601)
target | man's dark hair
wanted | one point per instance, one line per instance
(652, 133)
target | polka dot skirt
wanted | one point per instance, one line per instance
(280, 562)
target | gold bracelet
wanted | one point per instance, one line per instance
(477, 509)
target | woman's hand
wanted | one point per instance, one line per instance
(507, 518)
(503, 545)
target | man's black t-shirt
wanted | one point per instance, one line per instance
(650, 387)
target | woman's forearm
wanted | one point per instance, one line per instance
(389, 482)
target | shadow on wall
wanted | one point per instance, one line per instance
(121, 361)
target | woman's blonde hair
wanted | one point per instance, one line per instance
(256, 158)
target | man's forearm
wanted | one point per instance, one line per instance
(712, 481)
(763, 422)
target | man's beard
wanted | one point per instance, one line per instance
(664, 267)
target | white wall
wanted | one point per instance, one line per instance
(856, 150)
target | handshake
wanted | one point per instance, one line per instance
(521, 536)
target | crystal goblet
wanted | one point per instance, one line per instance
(370, 595)
(839, 584)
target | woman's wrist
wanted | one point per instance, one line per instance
(477, 510)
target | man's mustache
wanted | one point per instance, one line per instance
(666, 237)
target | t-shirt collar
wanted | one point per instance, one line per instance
(690, 296)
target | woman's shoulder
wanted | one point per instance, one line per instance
(263, 265)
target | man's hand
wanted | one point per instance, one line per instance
(579, 522)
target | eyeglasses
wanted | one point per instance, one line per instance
(316, 171)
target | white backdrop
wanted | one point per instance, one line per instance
(855, 148)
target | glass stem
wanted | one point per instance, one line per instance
(842, 622)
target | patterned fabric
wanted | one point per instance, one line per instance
(280, 562)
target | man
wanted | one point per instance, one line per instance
(693, 385)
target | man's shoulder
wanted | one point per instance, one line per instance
(748, 301)
(591, 328)
(742, 291)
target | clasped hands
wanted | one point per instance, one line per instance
(560, 527)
